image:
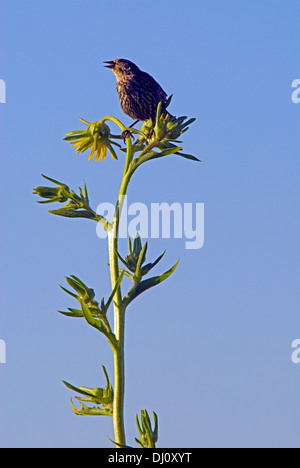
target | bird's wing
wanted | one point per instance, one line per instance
(146, 93)
(160, 93)
(155, 87)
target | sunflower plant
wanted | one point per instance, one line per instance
(153, 141)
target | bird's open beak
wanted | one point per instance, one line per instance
(111, 64)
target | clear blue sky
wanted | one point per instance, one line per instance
(210, 349)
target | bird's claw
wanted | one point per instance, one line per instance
(126, 134)
(150, 134)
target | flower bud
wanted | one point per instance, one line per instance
(53, 194)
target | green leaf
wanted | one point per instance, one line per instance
(152, 155)
(119, 445)
(79, 287)
(137, 245)
(189, 156)
(71, 136)
(188, 122)
(129, 245)
(123, 261)
(155, 432)
(85, 192)
(77, 313)
(82, 390)
(82, 132)
(100, 396)
(126, 273)
(158, 114)
(147, 284)
(46, 201)
(116, 287)
(168, 151)
(94, 411)
(98, 324)
(72, 313)
(141, 259)
(80, 193)
(52, 180)
(168, 101)
(84, 121)
(71, 213)
(69, 292)
(139, 442)
(114, 142)
(79, 281)
(111, 149)
(146, 268)
(147, 435)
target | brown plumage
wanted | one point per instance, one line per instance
(139, 93)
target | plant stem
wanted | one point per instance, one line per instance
(119, 380)
(119, 309)
(118, 350)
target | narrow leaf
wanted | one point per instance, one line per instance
(85, 192)
(188, 122)
(43, 202)
(189, 156)
(52, 180)
(71, 136)
(140, 261)
(147, 284)
(116, 287)
(123, 261)
(149, 266)
(81, 390)
(68, 292)
(129, 245)
(97, 323)
(79, 281)
(84, 121)
(137, 245)
(126, 273)
(94, 411)
(168, 151)
(119, 445)
(71, 213)
(88, 316)
(72, 313)
(168, 101)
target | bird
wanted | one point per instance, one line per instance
(139, 93)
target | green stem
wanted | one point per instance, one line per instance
(119, 309)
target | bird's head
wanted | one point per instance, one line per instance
(122, 68)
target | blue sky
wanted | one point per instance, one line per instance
(210, 349)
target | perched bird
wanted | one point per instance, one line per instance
(139, 93)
